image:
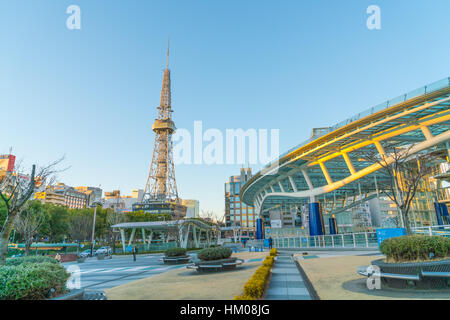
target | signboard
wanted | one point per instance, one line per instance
(7, 163)
(275, 223)
(39, 195)
(383, 234)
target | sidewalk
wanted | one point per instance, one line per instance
(286, 282)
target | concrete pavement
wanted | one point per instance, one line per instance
(102, 274)
(286, 283)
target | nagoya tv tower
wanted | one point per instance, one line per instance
(160, 194)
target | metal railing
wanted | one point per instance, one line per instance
(349, 240)
(443, 230)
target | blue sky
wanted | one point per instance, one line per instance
(92, 94)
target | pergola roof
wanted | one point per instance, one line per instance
(161, 225)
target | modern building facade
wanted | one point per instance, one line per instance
(192, 208)
(119, 203)
(329, 176)
(94, 194)
(64, 195)
(237, 213)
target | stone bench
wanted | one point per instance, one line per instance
(176, 260)
(215, 265)
(421, 275)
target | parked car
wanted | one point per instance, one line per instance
(103, 250)
(86, 253)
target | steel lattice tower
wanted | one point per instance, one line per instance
(161, 185)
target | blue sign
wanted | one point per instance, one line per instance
(129, 249)
(81, 245)
(383, 234)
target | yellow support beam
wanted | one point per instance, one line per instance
(349, 163)
(325, 173)
(441, 117)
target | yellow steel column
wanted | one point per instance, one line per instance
(349, 163)
(325, 173)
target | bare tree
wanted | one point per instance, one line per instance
(113, 217)
(207, 215)
(403, 173)
(28, 223)
(15, 190)
(80, 225)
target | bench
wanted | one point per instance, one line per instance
(363, 271)
(216, 267)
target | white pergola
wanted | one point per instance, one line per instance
(184, 228)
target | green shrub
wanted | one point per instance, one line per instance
(30, 259)
(216, 253)
(175, 252)
(243, 297)
(415, 248)
(32, 281)
(254, 287)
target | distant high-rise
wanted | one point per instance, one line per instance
(237, 213)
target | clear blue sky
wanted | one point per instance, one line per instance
(92, 94)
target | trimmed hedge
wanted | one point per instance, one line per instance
(175, 252)
(415, 248)
(32, 281)
(273, 252)
(30, 259)
(216, 253)
(255, 286)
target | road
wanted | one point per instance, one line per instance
(103, 274)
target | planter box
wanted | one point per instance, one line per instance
(430, 274)
(69, 257)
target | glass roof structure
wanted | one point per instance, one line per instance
(330, 164)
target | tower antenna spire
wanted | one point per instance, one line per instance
(168, 48)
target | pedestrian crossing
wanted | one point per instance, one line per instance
(125, 269)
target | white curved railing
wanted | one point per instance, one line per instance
(349, 240)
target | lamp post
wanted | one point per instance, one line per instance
(94, 205)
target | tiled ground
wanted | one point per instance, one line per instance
(286, 282)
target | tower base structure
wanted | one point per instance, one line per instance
(175, 209)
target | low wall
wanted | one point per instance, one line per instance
(66, 257)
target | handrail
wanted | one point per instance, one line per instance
(347, 240)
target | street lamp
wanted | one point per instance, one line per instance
(94, 205)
